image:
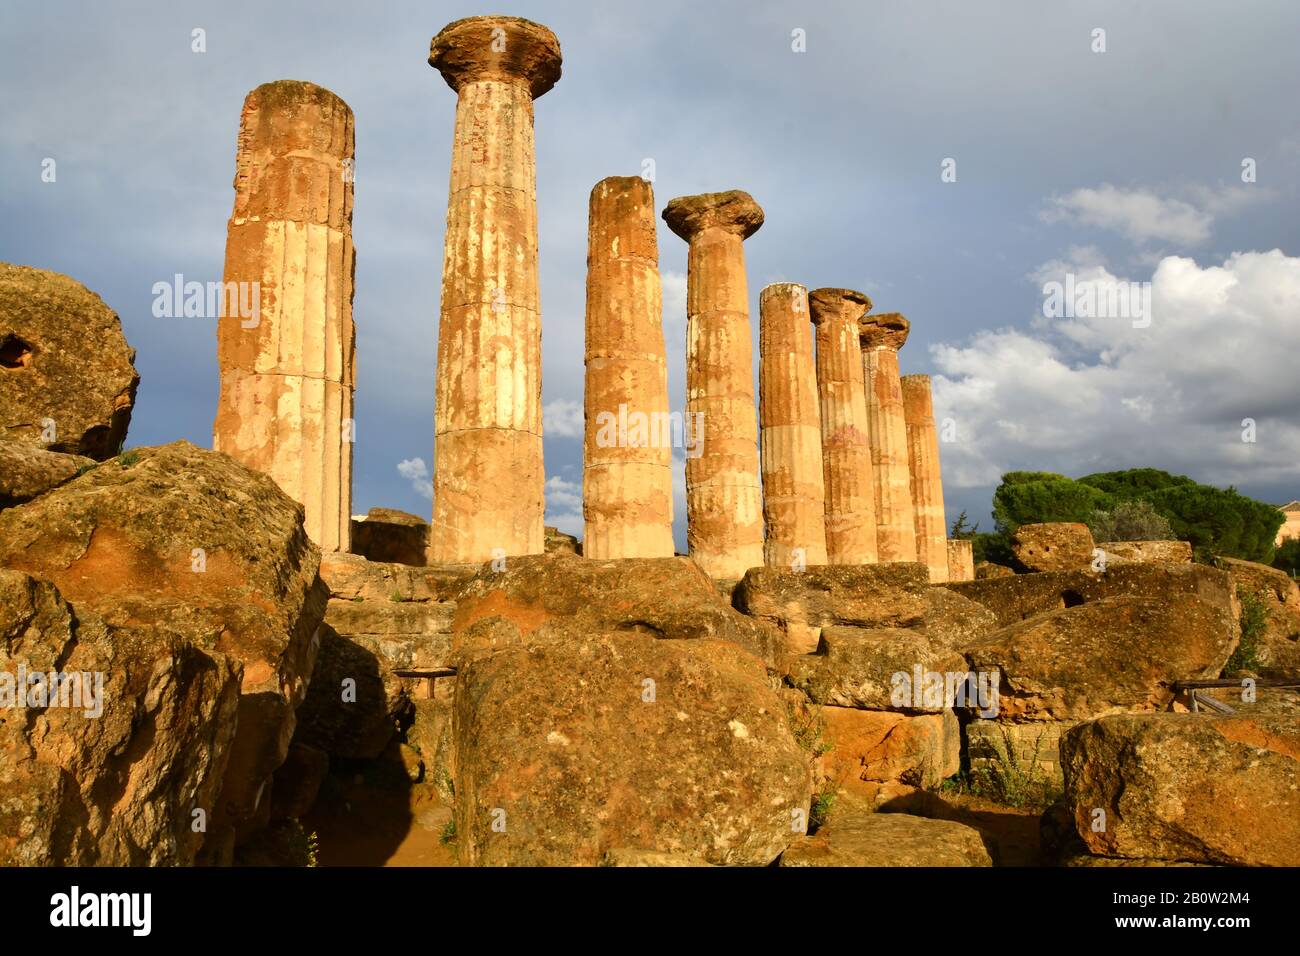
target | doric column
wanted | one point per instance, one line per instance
(627, 485)
(882, 335)
(846, 448)
(961, 560)
(287, 366)
(724, 510)
(794, 491)
(488, 483)
(926, 479)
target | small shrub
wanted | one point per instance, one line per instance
(128, 459)
(820, 809)
(1254, 619)
(448, 835)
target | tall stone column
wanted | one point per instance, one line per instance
(926, 479)
(627, 483)
(961, 560)
(846, 447)
(794, 490)
(489, 482)
(882, 335)
(724, 510)
(287, 367)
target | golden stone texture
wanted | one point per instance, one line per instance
(882, 335)
(794, 491)
(287, 380)
(488, 491)
(724, 510)
(627, 485)
(926, 479)
(846, 448)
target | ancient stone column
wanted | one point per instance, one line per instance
(926, 480)
(846, 447)
(961, 560)
(627, 484)
(794, 491)
(724, 511)
(882, 335)
(488, 483)
(287, 367)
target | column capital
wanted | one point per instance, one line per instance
(497, 48)
(845, 303)
(883, 330)
(734, 211)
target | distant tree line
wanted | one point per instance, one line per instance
(1139, 504)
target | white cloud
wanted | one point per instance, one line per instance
(416, 472)
(1089, 394)
(1138, 214)
(564, 505)
(562, 418)
(674, 297)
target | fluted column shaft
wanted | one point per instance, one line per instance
(287, 373)
(794, 491)
(627, 489)
(489, 480)
(926, 477)
(846, 448)
(882, 336)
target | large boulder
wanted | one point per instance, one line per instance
(1278, 647)
(386, 534)
(568, 746)
(956, 622)
(865, 748)
(138, 741)
(68, 379)
(1145, 552)
(889, 839)
(1023, 596)
(874, 668)
(800, 603)
(181, 541)
(1053, 546)
(1109, 655)
(1187, 787)
(27, 471)
(667, 598)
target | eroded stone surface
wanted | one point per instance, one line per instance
(889, 839)
(882, 335)
(1053, 546)
(67, 382)
(27, 471)
(925, 480)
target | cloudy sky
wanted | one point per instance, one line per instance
(1117, 166)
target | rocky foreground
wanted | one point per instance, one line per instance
(561, 710)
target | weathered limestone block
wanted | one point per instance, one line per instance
(987, 569)
(961, 560)
(566, 748)
(1019, 596)
(846, 443)
(925, 481)
(794, 488)
(389, 535)
(1030, 751)
(800, 604)
(627, 486)
(882, 335)
(954, 621)
(557, 542)
(1189, 787)
(185, 545)
(167, 698)
(668, 598)
(1053, 546)
(27, 471)
(1278, 650)
(889, 839)
(287, 371)
(1146, 552)
(870, 747)
(67, 382)
(488, 483)
(724, 499)
(859, 667)
(1108, 655)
